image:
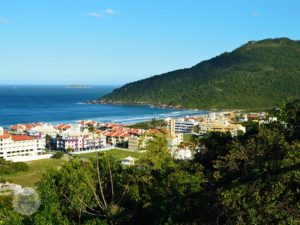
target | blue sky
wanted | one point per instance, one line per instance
(118, 41)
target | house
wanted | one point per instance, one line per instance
(85, 124)
(22, 128)
(61, 128)
(115, 134)
(43, 130)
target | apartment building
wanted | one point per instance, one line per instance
(80, 143)
(15, 146)
(181, 125)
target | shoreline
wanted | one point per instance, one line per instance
(131, 121)
(162, 106)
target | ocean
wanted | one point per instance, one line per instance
(61, 104)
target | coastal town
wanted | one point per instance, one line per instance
(149, 112)
(27, 142)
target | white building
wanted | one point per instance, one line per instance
(78, 140)
(181, 125)
(16, 147)
(212, 116)
(128, 161)
(133, 143)
(82, 143)
(182, 154)
(43, 130)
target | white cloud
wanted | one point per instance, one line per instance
(4, 20)
(94, 14)
(101, 14)
(110, 11)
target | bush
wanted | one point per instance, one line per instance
(7, 167)
(58, 155)
(21, 166)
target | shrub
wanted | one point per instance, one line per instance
(7, 167)
(58, 155)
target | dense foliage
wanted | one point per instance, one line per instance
(7, 167)
(58, 155)
(250, 179)
(257, 75)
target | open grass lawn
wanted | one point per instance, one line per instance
(115, 153)
(39, 167)
(34, 174)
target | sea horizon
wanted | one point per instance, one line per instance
(55, 104)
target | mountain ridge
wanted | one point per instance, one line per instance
(258, 74)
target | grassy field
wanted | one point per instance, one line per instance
(34, 174)
(39, 167)
(115, 153)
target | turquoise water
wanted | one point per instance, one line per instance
(57, 104)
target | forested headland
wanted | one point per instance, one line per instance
(258, 75)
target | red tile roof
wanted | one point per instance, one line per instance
(112, 125)
(22, 138)
(87, 122)
(17, 126)
(29, 126)
(5, 135)
(24, 126)
(125, 135)
(63, 127)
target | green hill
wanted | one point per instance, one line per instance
(259, 74)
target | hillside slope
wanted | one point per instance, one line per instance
(257, 75)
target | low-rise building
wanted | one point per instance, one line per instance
(133, 143)
(80, 143)
(22, 128)
(43, 130)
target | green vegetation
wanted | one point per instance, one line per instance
(249, 179)
(258, 75)
(153, 124)
(114, 153)
(36, 169)
(190, 138)
(58, 155)
(28, 174)
(7, 167)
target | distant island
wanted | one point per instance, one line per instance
(76, 86)
(258, 75)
